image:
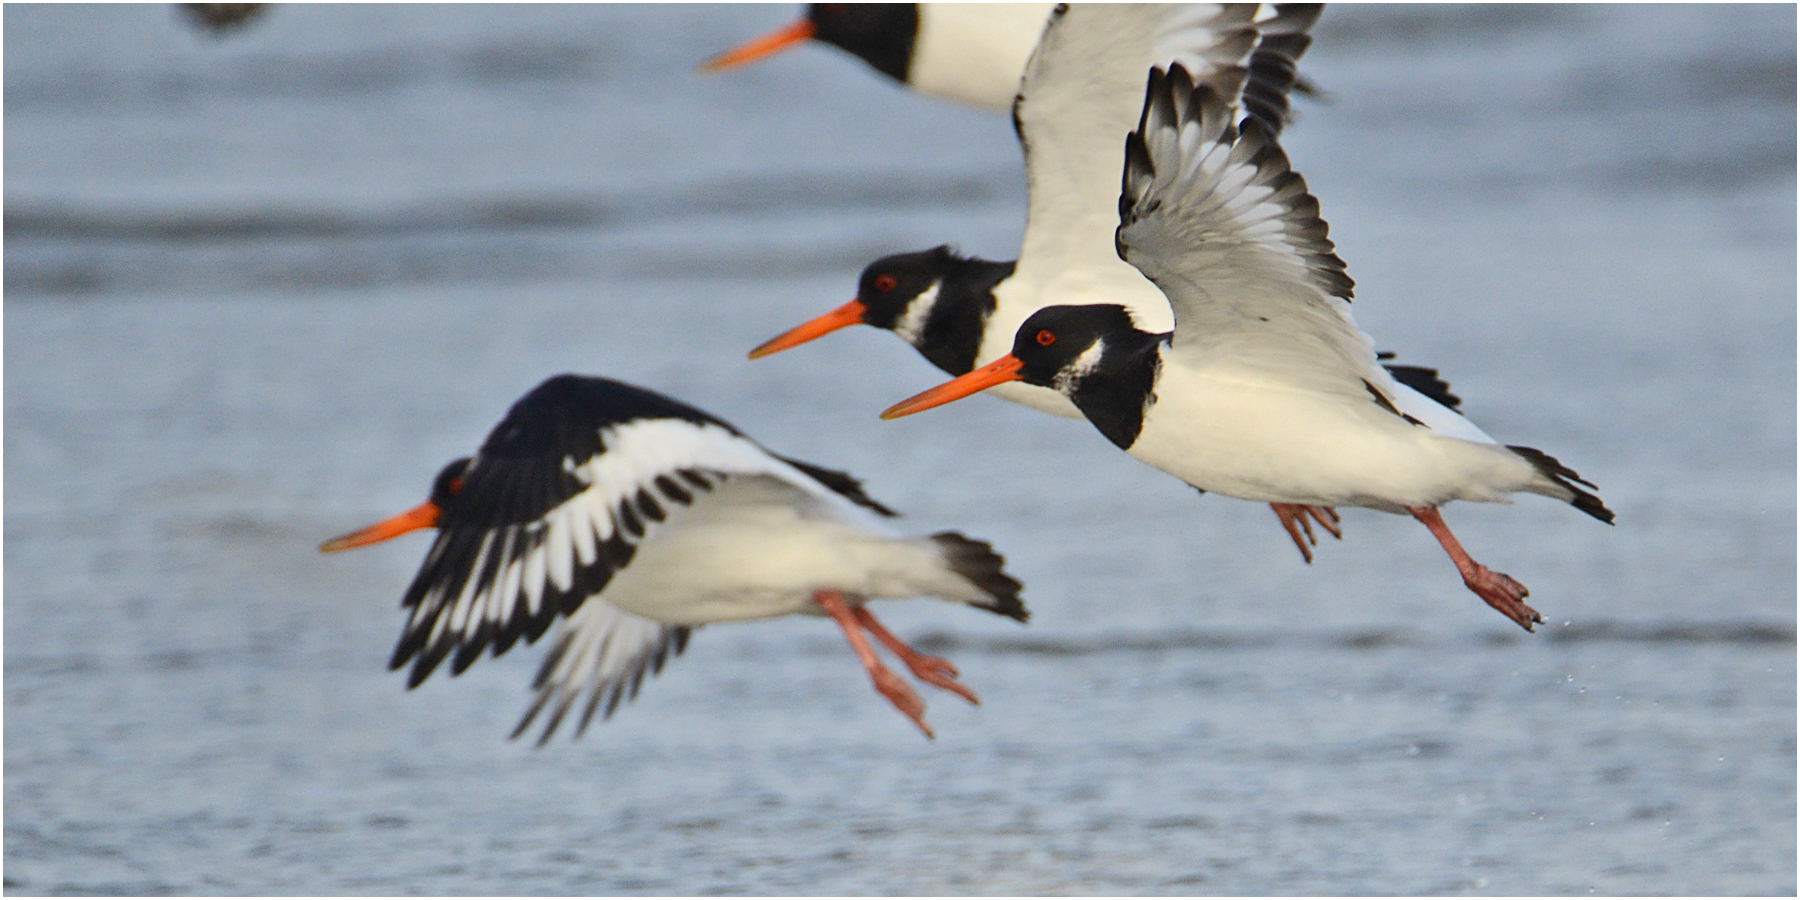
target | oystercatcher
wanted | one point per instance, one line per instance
(972, 52)
(635, 518)
(1080, 96)
(1266, 389)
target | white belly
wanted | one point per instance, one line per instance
(1264, 442)
(745, 552)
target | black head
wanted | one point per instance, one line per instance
(448, 484)
(890, 284)
(430, 514)
(1057, 345)
(881, 33)
(1097, 358)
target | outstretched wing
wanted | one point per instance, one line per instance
(604, 652)
(1216, 218)
(578, 475)
(1080, 97)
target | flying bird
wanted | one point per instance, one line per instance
(625, 519)
(971, 52)
(1080, 96)
(1265, 389)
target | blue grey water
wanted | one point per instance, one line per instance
(260, 288)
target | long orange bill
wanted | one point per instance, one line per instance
(425, 515)
(760, 47)
(1000, 371)
(842, 317)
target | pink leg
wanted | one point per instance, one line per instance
(1500, 591)
(929, 669)
(887, 684)
(1295, 518)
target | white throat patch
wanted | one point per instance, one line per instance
(1070, 375)
(911, 325)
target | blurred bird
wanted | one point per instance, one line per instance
(1080, 96)
(634, 518)
(972, 52)
(1265, 389)
(222, 18)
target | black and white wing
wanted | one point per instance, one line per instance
(1218, 221)
(1081, 95)
(603, 652)
(579, 473)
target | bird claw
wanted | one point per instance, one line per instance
(904, 698)
(938, 672)
(1503, 593)
(1297, 518)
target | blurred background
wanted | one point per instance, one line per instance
(261, 286)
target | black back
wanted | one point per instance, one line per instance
(882, 34)
(519, 475)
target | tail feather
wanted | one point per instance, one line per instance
(1564, 476)
(977, 562)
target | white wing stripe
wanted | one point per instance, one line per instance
(534, 574)
(581, 541)
(581, 528)
(603, 652)
(559, 553)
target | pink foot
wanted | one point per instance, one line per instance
(1500, 591)
(904, 698)
(933, 670)
(887, 684)
(1298, 518)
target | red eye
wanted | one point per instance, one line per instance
(455, 486)
(886, 282)
(1045, 338)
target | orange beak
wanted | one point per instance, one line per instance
(843, 317)
(760, 47)
(425, 515)
(1000, 371)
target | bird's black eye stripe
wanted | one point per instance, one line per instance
(649, 507)
(673, 491)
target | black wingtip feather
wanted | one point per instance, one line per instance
(1425, 381)
(603, 699)
(1171, 100)
(842, 483)
(977, 561)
